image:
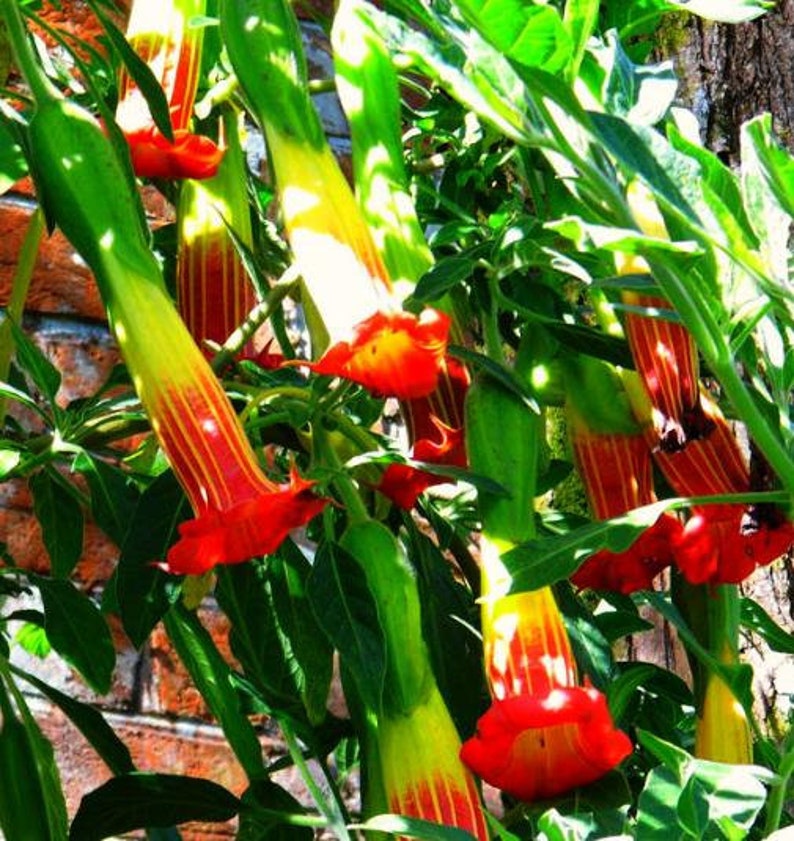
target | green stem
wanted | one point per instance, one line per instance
(779, 791)
(332, 810)
(40, 86)
(19, 293)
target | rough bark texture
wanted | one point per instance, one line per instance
(730, 73)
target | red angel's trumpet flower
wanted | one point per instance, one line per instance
(403, 484)
(240, 513)
(214, 292)
(721, 543)
(616, 471)
(162, 35)
(422, 774)
(543, 735)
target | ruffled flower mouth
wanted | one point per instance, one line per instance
(189, 156)
(537, 747)
(247, 530)
(396, 354)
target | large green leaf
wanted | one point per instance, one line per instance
(32, 806)
(527, 33)
(77, 630)
(724, 11)
(90, 722)
(267, 813)
(61, 519)
(212, 676)
(138, 801)
(12, 162)
(41, 371)
(144, 592)
(758, 620)
(346, 611)
(113, 495)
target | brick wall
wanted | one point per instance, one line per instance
(152, 705)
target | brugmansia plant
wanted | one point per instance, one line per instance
(580, 319)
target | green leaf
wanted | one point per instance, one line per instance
(140, 73)
(532, 35)
(61, 519)
(41, 371)
(138, 801)
(113, 495)
(495, 371)
(90, 722)
(32, 638)
(413, 828)
(144, 592)
(346, 611)
(445, 275)
(657, 819)
(622, 689)
(13, 165)
(754, 617)
(32, 806)
(580, 18)
(212, 676)
(244, 594)
(77, 631)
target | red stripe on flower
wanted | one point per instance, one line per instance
(189, 156)
(536, 747)
(616, 471)
(397, 354)
(403, 484)
(446, 403)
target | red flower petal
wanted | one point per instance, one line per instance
(634, 569)
(403, 484)
(535, 747)
(244, 531)
(723, 544)
(445, 403)
(189, 156)
(396, 354)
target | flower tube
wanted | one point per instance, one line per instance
(421, 772)
(372, 341)
(163, 36)
(214, 293)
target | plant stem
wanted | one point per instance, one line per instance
(331, 809)
(40, 86)
(777, 795)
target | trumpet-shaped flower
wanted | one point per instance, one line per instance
(616, 472)
(540, 746)
(422, 775)
(214, 293)
(543, 734)
(240, 513)
(164, 38)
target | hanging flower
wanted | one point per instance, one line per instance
(721, 544)
(616, 472)
(422, 774)
(396, 354)
(403, 484)
(543, 734)
(162, 35)
(240, 513)
(214, 292)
